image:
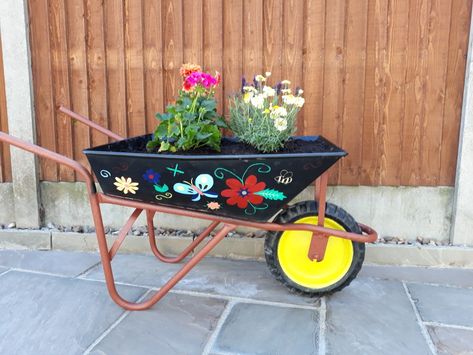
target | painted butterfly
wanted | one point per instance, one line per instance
(201, 187)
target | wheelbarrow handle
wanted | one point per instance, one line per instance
(48, 154)
(90, 123)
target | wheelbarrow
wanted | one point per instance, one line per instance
(313, 247)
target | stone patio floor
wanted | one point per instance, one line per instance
(54, 302)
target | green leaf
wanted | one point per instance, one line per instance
(162, 130)
(271, 194)
(151, 145)
(161, 189)
(209, 105)
(164, 146)
(164, 116)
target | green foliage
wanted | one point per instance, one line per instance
(265, 117)
(190, 123)
(271, 194)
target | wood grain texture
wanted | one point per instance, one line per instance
(457, 54)
(5, 162)
(212, 28)
(381, 78)
(334, 64)
(116, 68)
(60, 81)
(153, 60)
(96, 68)
(43, 98)
(78, 78)
(354, 83)
(172, 47)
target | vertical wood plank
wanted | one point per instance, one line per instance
(457, 53)
(397, 64)
(43, 96)
(134, 68)
(376, 86)
(60, 77)
(193, 31)
(5, 166)
(96, 66)
(436, 71)
(172, 47)
(252, 38)
(273, 38)
(415, 91)
(115, 63)
(78, 75)
(352, 115)
(213, 43)
(232, 48)
(313, 66)
(333, 75)
(293, 30)
(153, 61)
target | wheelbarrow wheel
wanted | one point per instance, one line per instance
(287, 252)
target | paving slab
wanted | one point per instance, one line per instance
(178, 324)
(373, 317)
(246, 279)
(445, 276)
(452, 341)
(41, 314)
(263, 329)
(53, 262)
(3, 269)
(441, 304)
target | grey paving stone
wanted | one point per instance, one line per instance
(443, 304)
(42, 314)
(445, 276)
(3, 269)
(247, 279)
(373, 317)
(452, 341)
(54, 262)
(178, 324)
(262, 329)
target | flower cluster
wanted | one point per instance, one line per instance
(264, 116)
(192, 121)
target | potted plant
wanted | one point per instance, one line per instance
(187, 163)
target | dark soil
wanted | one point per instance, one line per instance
(229, 146)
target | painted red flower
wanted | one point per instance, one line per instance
(241, 194)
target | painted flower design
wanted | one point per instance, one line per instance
(152, 176)
(241, 194)
(126, 185)
(213, 206)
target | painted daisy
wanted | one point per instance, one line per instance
(126, 185)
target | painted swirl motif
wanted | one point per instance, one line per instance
(105, 173)
(167, 195)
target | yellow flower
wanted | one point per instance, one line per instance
(266, 110)
(259, 78)
(247, 96)
(126, 185)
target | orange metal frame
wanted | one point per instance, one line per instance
(315, 252)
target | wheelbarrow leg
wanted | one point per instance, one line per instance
(185, 252)
(107, 266)
(318, 243)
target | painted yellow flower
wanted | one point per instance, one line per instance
(126, 185)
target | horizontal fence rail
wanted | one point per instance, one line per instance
(382, 78)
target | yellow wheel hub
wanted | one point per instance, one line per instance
(293, 257)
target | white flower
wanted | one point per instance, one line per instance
(257, 101)
(249, 89)
(286, 82)
(299, 101)
(268, 91)
(247, 96)
(300, 92)
(126, 185)
(280, 123)
(278, 111)
(259, 78)
(288, 99)
(286, 91)
(268, 74)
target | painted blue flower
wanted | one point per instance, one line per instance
(152, 176)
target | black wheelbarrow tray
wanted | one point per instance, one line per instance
(312, 247)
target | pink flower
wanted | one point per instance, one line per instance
(200, 78)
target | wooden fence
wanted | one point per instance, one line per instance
(382, 78)
(5, 166)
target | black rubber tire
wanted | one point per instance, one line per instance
(305, 209)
